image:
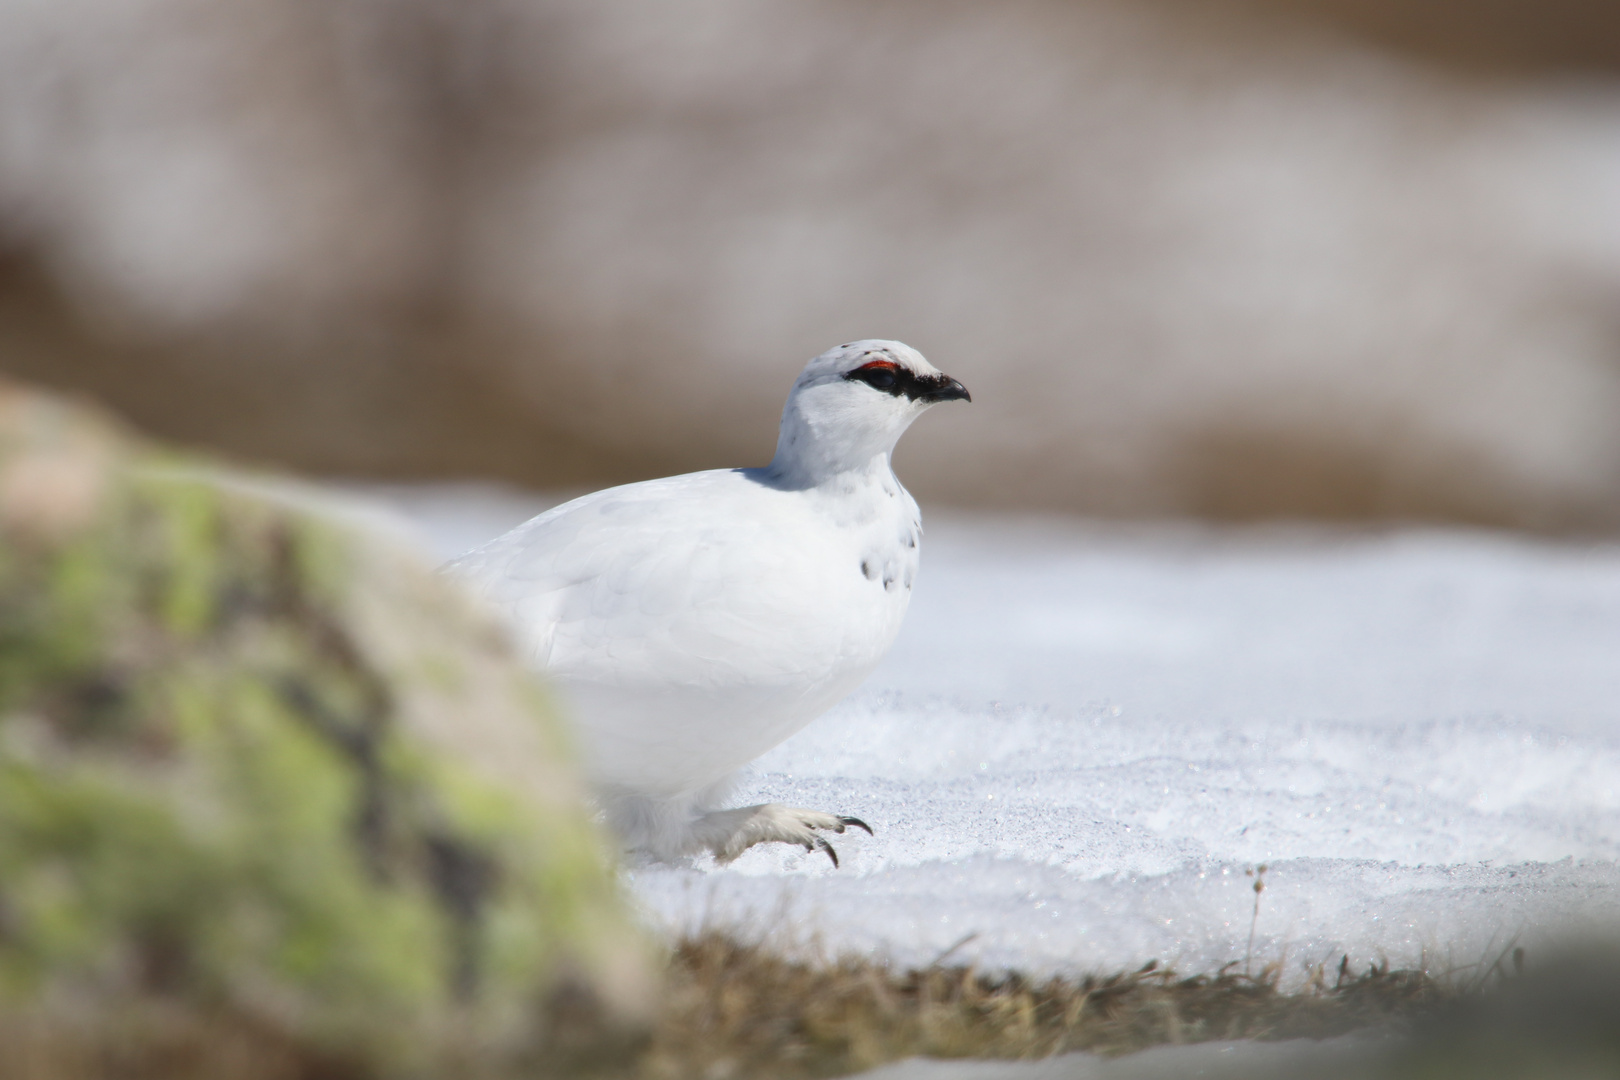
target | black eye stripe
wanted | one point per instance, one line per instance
(897, 381)
(889, 380)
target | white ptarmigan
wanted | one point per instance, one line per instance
(694, 622)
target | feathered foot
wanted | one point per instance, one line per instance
(729, 833)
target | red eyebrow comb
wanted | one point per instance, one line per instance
(889, 364)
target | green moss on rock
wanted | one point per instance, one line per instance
(260, 764)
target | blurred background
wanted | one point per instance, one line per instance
(1352, 259)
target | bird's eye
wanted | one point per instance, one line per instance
(879, 375)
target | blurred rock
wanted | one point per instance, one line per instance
(274, 799)
(1191, 259)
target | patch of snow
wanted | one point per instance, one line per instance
(1088, 737)
(1209, 1061)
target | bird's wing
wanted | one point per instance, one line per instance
(665, 581)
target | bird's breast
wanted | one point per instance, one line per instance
(691, 625)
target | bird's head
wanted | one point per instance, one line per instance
(851, 404)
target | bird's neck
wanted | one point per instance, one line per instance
(816, 447)
(801, 471)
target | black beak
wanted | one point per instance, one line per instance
(944, 388)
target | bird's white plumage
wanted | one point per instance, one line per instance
(691, 623)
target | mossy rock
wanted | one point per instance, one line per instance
(258, 765)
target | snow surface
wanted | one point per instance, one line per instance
(1344, 1056)
(1088, 736)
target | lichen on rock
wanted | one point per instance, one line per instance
(262, 765)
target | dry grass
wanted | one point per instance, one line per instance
(739, 1010)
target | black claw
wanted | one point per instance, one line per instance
(828, 848)
(857, 822)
